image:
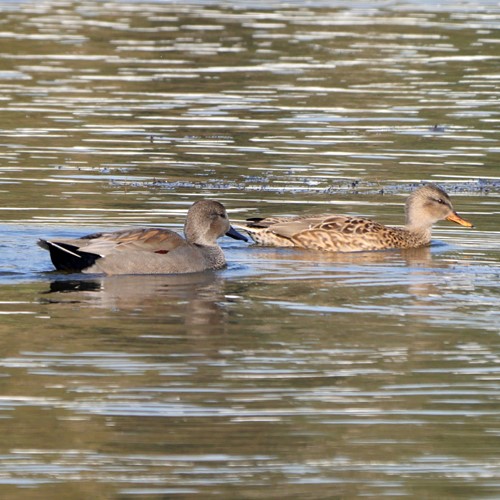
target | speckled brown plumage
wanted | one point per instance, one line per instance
(339, 233)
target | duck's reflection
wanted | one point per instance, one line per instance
(350, 276)
(408, 256)
(194, 299)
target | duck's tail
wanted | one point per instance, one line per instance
(67, 257)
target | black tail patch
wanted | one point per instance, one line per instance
(69, 258)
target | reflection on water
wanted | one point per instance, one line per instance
(291, 373)
(193, 298)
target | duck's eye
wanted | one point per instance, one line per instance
(440, 201)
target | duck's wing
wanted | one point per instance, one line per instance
(353, 234)
(333, 233)
(350, 225)
(277, 231)
(270, 222)
(290, 227)
(138, 239)
(157, 240)
(81, 253)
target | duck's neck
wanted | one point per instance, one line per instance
(421, 233)
(213, 254)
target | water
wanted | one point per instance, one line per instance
(289, 374)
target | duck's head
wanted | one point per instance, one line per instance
(206, 221)
(429, 204)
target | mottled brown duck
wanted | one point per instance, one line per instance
(149, 250)
(341, 233)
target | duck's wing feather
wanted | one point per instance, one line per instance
(284, 227)
(276, 231)
(271, 222)
(350, 225)
(349, 234)
(336, 241)
(340, 233)
(156, 240)
(337, 223)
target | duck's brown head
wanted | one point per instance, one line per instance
(429, 204)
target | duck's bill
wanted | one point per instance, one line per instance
(232, 233)
(454, 217)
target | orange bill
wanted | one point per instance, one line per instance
(454, 217)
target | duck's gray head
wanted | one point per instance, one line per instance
(206, 221)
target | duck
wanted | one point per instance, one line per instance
(342, 233)
(149, 250)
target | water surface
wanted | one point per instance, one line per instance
(289, 374)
